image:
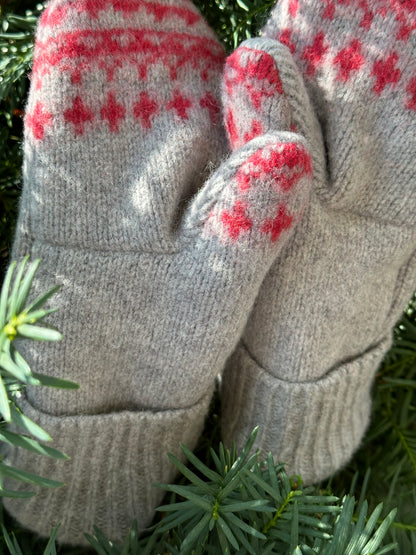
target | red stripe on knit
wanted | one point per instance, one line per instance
(53, 16)
(231, 128)
(77, 51)
(277, 165)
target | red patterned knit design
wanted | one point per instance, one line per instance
(411, 90)
(92, 8)
(254, 75)
(180, 104)
(113, 112)
(38, 120)
(317, 47)
(78, 114)
(262, 181)
(401, 10)
(211, 104)
(283, 166)
(78, 49)
(236, 220)
(385, 72)
(275, 226)
(243, 68)
(349, 59)
(79, 52)
(314, 54)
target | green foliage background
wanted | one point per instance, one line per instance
(384, 469)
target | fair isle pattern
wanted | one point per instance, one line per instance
(345, 57)
(126, 7)
(356, 68)
(272, 173)
(155, 46)
(281, 173)
(105, 47)
(82, 50)
(264, 82)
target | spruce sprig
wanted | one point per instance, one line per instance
(16, 53)
(22, 319)
(250, 507)
(235, 20)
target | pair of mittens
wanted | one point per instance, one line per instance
(160, 273)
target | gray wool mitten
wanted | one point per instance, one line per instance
(321, 324)
(158, 274)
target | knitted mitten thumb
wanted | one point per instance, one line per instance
(322, 320)
(158, 273)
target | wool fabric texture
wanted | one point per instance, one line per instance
(158, 272)
(321, 324)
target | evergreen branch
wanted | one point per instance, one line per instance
(280, 511)
(15, 373)
(245, 22)
(406, 446)
(404, 361)
(402, 526)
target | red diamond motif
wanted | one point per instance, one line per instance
(349, 59)
(236, 220)
(78, 115)
(385, 73)
(113, 111)
(285, 38)
(314, 53)
(329, 11)
(276, 225)
(181, 104)
(293, 7)
(38, 120)
(145, 109)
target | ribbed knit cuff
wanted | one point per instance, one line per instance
(312, 427)
(115, 459)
